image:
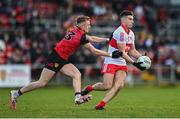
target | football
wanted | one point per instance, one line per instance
(146, 61)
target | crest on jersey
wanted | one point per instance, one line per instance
(121, 36)
(56, 65)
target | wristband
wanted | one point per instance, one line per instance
(107, 39)
(110, 55)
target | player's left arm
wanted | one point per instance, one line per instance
(95, 51)
(89, 46)
(133, 52)
(114, 54)
(96, 39)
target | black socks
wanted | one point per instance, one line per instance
(19, 92)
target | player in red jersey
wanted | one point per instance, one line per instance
(115, 70)
(57, 61)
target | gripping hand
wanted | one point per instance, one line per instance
(138, 65)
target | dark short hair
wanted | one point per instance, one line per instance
(126, 13)
(81, 19)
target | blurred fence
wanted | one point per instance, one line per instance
(156, 75)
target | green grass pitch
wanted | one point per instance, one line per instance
(58, 101)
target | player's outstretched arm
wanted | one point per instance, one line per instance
(96, 39)
(115, 54)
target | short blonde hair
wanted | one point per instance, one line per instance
(81, 19)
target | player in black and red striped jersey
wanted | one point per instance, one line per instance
(57, 61)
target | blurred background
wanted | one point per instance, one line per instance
(29, 29)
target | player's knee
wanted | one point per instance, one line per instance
(42, 83)
(77, 75)
(117, 87)
(122, 85)
(107, 87)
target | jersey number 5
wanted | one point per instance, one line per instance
(69, 35)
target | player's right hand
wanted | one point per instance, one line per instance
(116, 54)
(138, 65)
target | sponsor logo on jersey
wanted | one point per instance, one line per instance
(121, 36)
(56, 65)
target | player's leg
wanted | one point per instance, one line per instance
(53, 64)
(108, 71)
(46, 75)
(72, 71)
(106, 84)
(120, 77)
(100, 86)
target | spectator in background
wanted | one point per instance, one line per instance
(2, 45)
(149, 42)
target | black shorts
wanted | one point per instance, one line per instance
(54, 62)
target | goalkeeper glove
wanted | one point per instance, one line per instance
(138, 65)
(116, 54)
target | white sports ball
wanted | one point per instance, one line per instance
(146, 61)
